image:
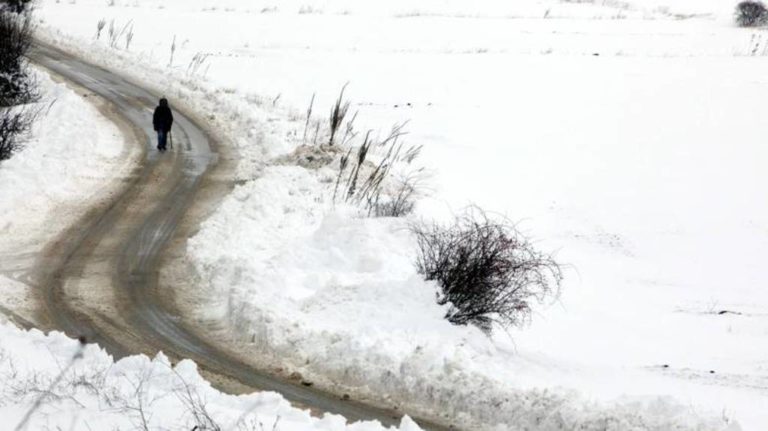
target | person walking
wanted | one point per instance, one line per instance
(162, 121)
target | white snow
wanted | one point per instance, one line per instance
(624, 136)
(72, 158)
(83, 388)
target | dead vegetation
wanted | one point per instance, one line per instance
(374, 173)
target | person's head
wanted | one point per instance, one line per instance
(164, 102)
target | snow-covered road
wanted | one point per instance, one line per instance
(100, 277)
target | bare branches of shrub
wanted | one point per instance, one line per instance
(14, 123)
(15, 6)
(408, 188)
(150, 394)
(750, 13)
(15, 40)
(487, 272)
(16, 85)
(195, 405)
(48, 392)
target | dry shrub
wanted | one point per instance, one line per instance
(15, 6)
(14, 123)
(486, 270)
(385, 185)
(750, 13)
(16, 31)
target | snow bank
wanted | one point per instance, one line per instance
(316, 290)
(82, 388)
(66, 159)
(73, 157)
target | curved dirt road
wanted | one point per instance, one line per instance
(100, 278)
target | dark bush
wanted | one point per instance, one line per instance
(16, 85)
(15, 6)
(338, 114)
(486, 271)
(15, 40)
(750, 13)
(18, 89)
(13, 124)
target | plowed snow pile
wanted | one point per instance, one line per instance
(61, 384)
(72, 158)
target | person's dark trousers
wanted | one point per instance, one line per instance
(162, 139)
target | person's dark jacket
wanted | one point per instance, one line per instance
(163, 118)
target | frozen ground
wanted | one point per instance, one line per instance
(621, 135)
(73, 157)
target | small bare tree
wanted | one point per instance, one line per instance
(487, 272)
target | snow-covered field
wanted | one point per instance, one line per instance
(623, 135)
(73, 157)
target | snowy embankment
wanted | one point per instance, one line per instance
(622, 134)
(336, 297)
(73, 158)
(81, 387)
